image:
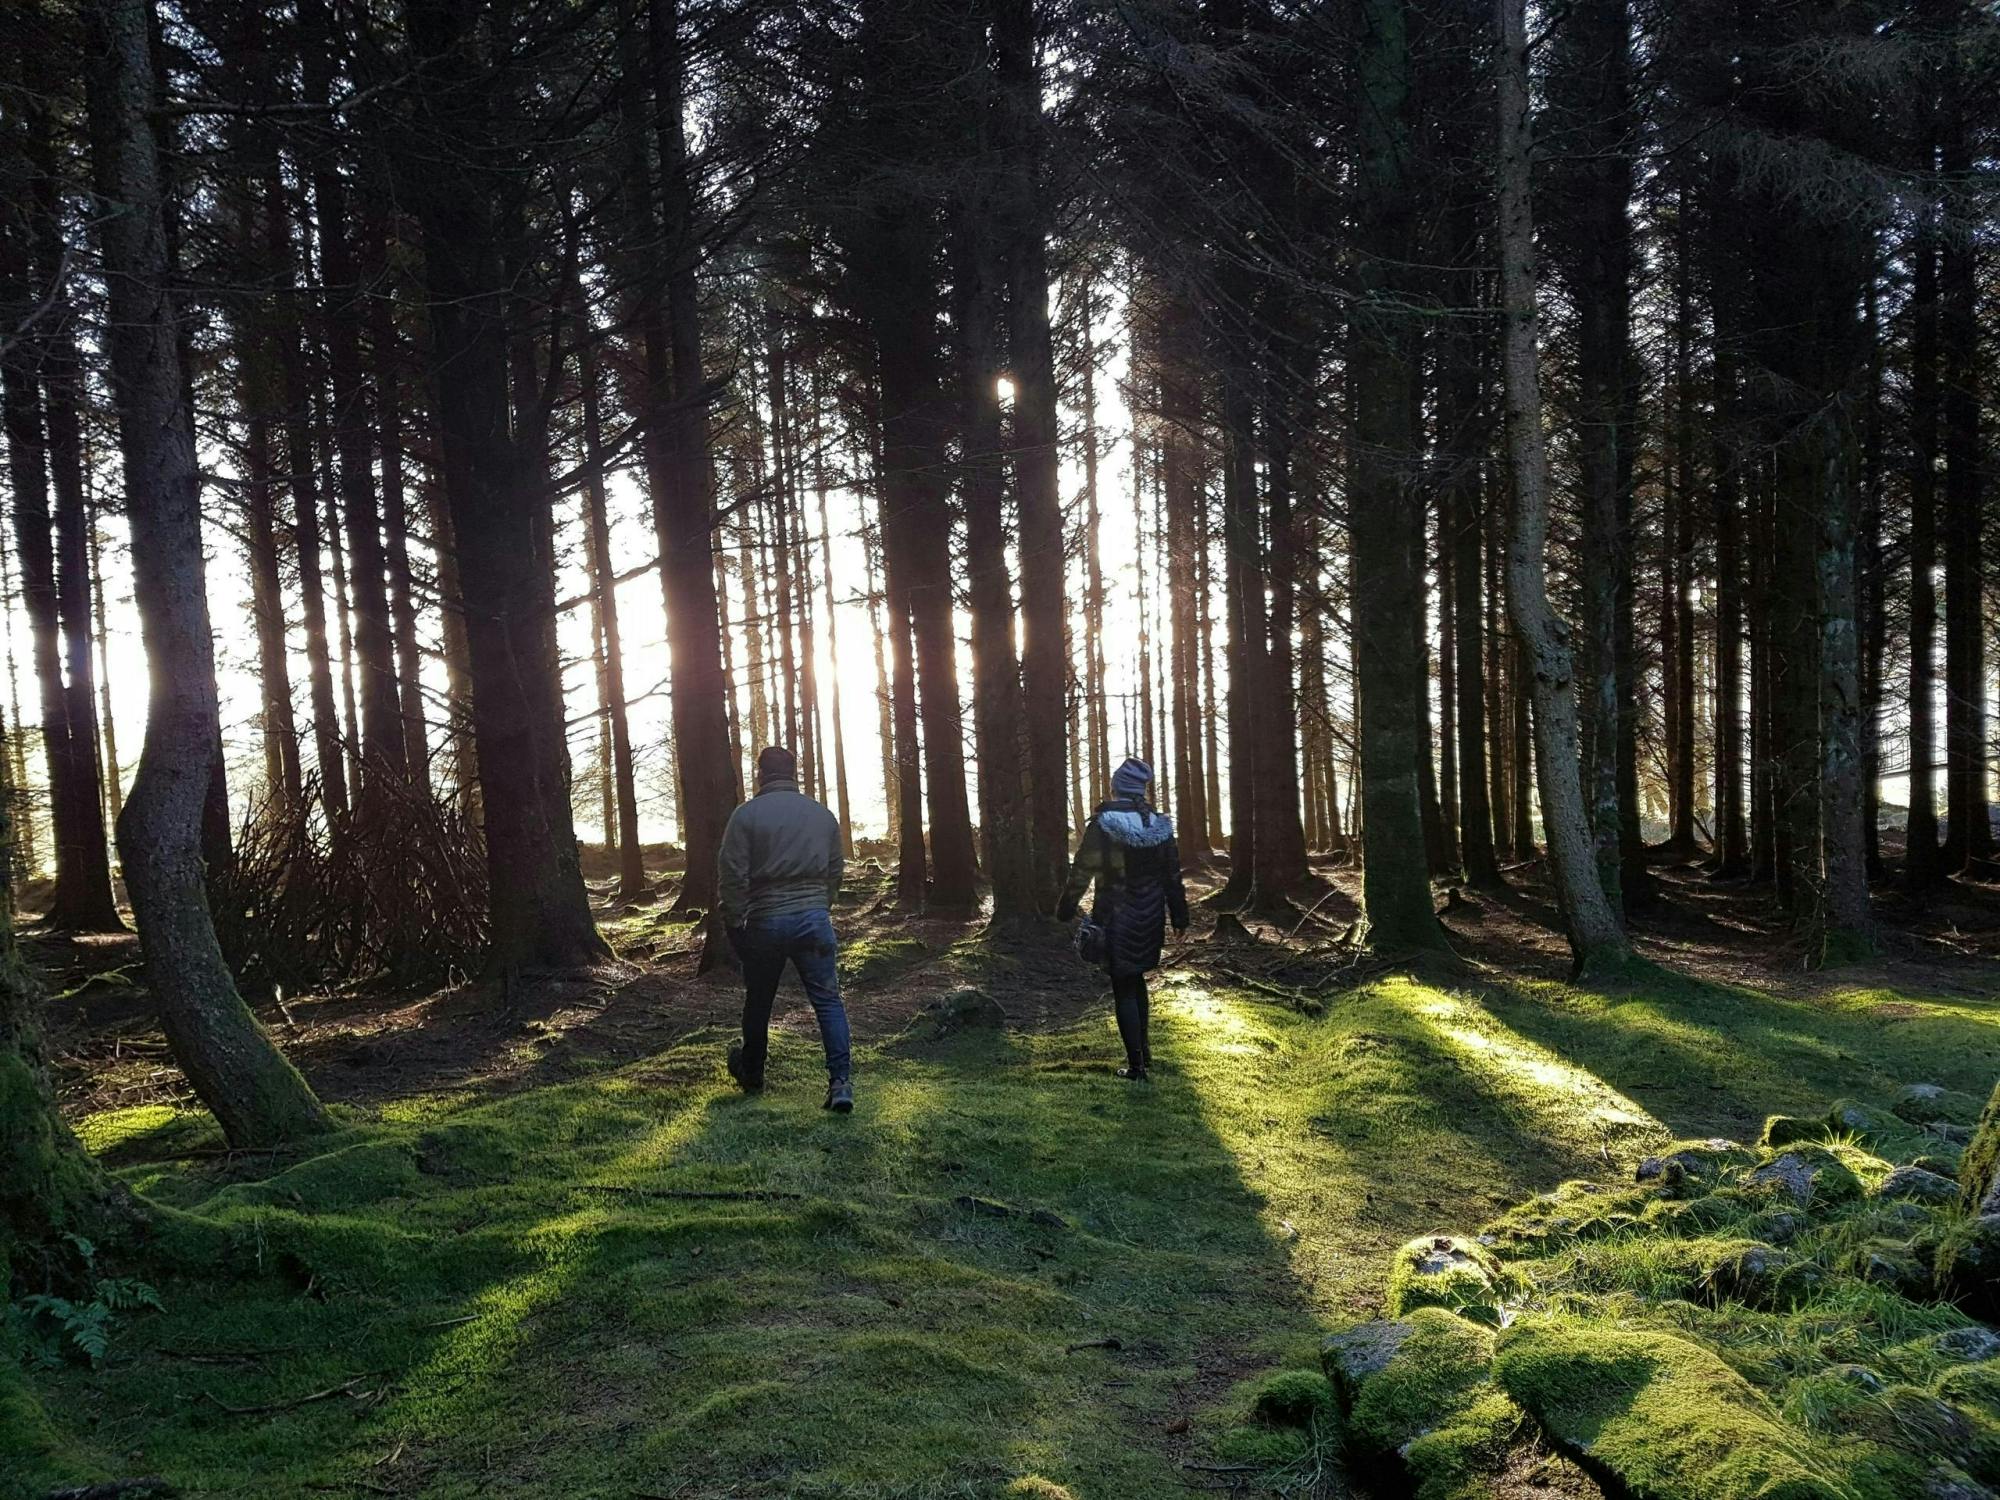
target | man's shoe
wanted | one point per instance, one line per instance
(1133, 1075)
(840, 1096)
(744, 1081)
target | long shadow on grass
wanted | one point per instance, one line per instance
(1007, 1262)
(1716, 1059)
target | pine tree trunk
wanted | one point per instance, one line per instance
(305, 509)
(1732, 833)
(1463, 525)
(114, 785)
(1969, 832)
(229, 1061)
(1005, 810)
(1281, 841)
(343, 317)
(1037, 437)
(1595, 935)
(843, 804)
(396, 527)
(1384, 517)
(495, 483)
(604, 588)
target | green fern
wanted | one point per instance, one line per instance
(63, 1328)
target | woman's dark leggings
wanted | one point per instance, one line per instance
(1131, 1006)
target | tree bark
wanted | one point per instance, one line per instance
(1384, 516)
(1005, 806)
(604, 581)
(495, 485)
(229, 1061)
(1595, 935)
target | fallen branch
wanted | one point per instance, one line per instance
(993, 1209)
(116, 1489)
(345, 1388)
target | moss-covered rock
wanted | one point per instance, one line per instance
(1353, 1355)
(1656, 1416)
(1758, 1275)
(1806, 1175)
(1428, 1413)
(1442, 1270)
(1292, 1398)
(1783, 1130)
(1979, 1169)
(1922, 1103)
(1892, 1265)
(1918, 1185)
(1967, 1264)
(1690, 1166)
(1864, 1121)
(1439, 1361)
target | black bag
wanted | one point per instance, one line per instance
(1093, 943)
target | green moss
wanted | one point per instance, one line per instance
(1661, 1415)
(1457, 1459)
(1982, 1157)
(1444, 1271)
(1783, 1130)
(1439, 1367)
(550, 1319)
(1292, 1398)
(1266, 1447)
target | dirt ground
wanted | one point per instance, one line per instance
(365, 1044)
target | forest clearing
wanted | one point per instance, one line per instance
(563, 1256)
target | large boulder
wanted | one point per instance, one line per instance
(1656, 1417)
(1420, 1403)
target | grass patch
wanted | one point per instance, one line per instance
(621, 1285)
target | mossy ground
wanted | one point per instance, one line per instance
(503, 1297)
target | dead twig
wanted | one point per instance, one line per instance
(345, 1388)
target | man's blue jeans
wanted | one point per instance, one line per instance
(805, 939)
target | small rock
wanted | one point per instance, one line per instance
(1922, 1103)
(1950, 1482)
(1885, 1263)
(1850, 1117)
(1860, 1377)
(1783, 1130)
(1805, 1176)
(1970, 1344)
(1917, 1185)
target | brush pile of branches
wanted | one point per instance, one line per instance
(394, 890)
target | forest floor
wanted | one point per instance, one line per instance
(552, 1252)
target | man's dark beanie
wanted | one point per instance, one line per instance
(774, 763)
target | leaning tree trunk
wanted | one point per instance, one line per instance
(1595, 936)
(231, 1064)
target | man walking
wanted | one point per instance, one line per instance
(780, 870)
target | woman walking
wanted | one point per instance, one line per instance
(1128, 849)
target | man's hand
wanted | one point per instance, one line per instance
(739, 939)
